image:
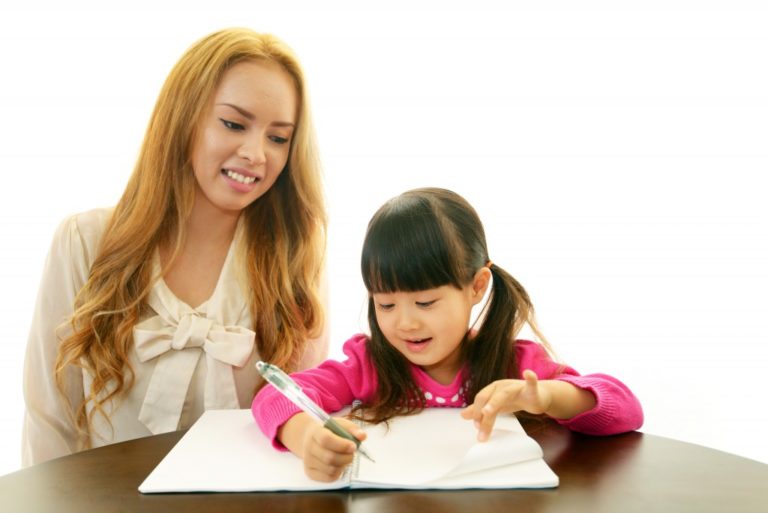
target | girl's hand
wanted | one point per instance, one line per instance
(325, 455)
(507, 396)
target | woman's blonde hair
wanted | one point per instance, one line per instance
(289, 220)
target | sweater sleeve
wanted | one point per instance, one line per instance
(617, 410)
(332, 385)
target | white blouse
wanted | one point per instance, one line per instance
(186, 360)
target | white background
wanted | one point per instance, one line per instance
(615, 152)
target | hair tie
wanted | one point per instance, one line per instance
(489, 264)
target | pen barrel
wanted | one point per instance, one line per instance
(336, 429)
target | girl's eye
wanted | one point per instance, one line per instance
(386, 307)
(425, 304)
(277, 139)
(231, 124)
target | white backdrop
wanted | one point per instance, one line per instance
(614, 150)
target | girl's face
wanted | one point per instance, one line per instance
(428, 326)
(244, 139)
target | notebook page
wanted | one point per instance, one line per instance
(438, 442)
(224, 451)
(502, 449)
(527, 474)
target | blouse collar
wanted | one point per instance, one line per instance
(178, 335)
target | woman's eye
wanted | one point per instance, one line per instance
(231, 124)
(425, 304)
(277, 139)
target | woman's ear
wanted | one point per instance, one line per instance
(480, 284)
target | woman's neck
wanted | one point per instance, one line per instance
(209, 226)
(194, 273)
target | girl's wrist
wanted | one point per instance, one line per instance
(291, 433)
(549, 393)
(567, 400)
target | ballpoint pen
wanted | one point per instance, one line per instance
(291, 390)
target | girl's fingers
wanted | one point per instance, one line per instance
(469, 412)
(324, 465)
(535, 400)
(508, 395)
(531, 379)
(322, 472)
(504, 398)
(353, 428)
(327, 454)
(331, 442)
(485, 426)
(497, 403)
(474, 410)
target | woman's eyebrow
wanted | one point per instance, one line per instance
(249, 116)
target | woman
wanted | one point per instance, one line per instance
(154, 311)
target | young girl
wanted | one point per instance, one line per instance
(154, 311)
(425, 264)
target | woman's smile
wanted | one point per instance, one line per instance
(240, 180)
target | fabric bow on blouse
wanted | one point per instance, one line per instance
(177, 336)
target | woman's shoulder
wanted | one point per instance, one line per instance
(89, 224)
(80, 234)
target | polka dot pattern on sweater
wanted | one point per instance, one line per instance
(434, 400)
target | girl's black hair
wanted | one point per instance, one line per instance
(424, 239)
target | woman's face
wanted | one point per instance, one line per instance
(244, 138)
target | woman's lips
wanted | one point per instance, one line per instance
(239, 175)
(240, 181)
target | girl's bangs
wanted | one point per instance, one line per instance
(407, 253)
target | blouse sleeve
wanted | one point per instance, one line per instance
(332, 385)
(48, 430)
(617, 410)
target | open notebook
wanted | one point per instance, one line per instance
(224, 451)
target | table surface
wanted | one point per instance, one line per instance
(634, 472)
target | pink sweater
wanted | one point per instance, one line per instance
(334, 385)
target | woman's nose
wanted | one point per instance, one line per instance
(252, 150)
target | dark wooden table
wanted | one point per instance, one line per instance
(628, 473)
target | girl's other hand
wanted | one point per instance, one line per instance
(507, 396)
(325, 455)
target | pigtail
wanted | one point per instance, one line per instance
(490, 354)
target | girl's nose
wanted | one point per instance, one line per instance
(407, 320)
(252, 150)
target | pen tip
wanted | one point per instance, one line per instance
(365, 453)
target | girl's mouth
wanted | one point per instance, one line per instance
(418, 345)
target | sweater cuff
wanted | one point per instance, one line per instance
(601, 419)
(271, 411)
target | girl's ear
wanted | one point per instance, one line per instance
(480, 284)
